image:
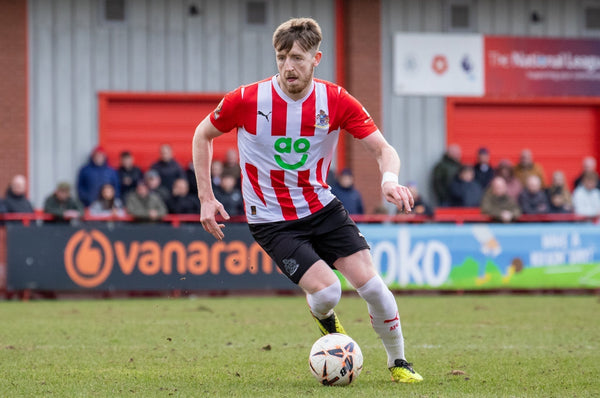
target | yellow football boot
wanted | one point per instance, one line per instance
(330, 325)
(403, 372)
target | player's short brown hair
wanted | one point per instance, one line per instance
(304, 31)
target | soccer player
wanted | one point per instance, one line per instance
(287, 131)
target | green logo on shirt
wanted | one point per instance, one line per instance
(286, 145)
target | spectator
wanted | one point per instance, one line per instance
(586, 197)
(527, 167)
(15, 200)
(216, 172)
(94, 175)
(129, 174)
(483, 169)
(443, 173)
(167, 167)
(230, 196)
(506, 170)
(153, 182)
(421, 207)
(588, 165)
(62, 205)
(144, 205)
(533, 199)
(181, 202)
(498, 204)
(190, 176)
(464, 190)
(330, 179)
(232, 166)
(346, 192)
(558, 194)
(107, 204)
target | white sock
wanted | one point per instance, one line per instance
(322, 302)
(384, 317)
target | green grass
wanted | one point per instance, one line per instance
(507, 346)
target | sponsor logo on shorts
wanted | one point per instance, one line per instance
(290, 265)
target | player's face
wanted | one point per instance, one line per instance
(296, 70)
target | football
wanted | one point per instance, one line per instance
(335, 360)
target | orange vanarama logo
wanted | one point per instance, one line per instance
(88, 258)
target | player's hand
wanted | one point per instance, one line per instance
(208, 211)
(399, 195)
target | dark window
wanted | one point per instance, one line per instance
(459, 16)
(114, 10)
(256, 13)
(592, 18)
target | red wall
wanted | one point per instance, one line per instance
(559, 132)
(13, 91)
(142, 122)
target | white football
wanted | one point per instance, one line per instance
(335, 360)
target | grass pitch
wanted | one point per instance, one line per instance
(473, 346)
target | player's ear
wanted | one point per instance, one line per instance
(317, 58)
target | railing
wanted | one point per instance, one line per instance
(457, 215)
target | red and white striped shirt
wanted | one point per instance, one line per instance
(286, 146)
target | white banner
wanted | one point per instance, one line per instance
(438, 64)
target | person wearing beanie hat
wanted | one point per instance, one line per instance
(62, 205)
(94, 175)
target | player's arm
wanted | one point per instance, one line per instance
(202, 152)
(389, 166)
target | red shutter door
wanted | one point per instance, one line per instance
(141, 122)
(559, 132)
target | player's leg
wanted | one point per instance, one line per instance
(290, 248)
(323, 292)
(359, 270)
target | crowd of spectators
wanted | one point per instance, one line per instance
(504, 191)
(507, 191)
(103, 191)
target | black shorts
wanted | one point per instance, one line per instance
(326, 235)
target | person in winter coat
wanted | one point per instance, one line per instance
(180, 201)
(498, 204)
(144, 205)
(533, 199)
(167, 167)
(129, 174)
(62, 205)
(107, 205)
(230, 196)
(464, 190)
(16, 200)
(443, 173)
(94, 175)
(345, 191)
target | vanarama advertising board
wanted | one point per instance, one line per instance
(137, 257)
(160, 257)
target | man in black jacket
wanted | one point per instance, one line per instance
(16, 200)
(167, 167)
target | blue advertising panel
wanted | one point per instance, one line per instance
(480, 256)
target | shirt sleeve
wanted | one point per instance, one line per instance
(355, 118)
(225, 117)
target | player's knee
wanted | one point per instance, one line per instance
(325, 300)
(375, 290)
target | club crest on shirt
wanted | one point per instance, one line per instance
(218, 109)
(322, 120)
